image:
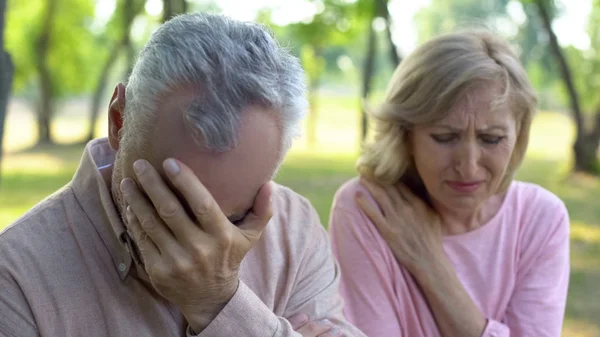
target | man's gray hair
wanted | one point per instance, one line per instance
(232, 63)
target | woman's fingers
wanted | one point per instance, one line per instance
(322, 328)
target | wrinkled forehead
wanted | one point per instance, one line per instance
(481, 106)
(233, 177)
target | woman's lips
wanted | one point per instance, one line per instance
(464, 186)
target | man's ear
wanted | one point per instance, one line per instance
(116, 108)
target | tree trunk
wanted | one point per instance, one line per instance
(131, 9)
(172, 8)
(6, 74)
(368, 69)
(313, 95)
(99, 92)
(586, 148)
(586, 144)
(312, 122)
(46, 101)
(385, 13)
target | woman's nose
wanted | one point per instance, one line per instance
(467, 159)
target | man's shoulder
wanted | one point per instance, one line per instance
(286, 201)
(46, 217)
(294, 220)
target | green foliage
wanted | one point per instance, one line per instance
(585, 64)
(330, 33)
(313, 63)
(74, 54)
(443, 16)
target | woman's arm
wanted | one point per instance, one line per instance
(413, 232)
(455, 312)
(366, 284)
(537, 306)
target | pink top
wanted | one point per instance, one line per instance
(515, 268)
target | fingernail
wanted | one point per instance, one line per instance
(299, 319)
(126, 185)
(325, 322)
(171, 167)
(335, 331)
(139, 166)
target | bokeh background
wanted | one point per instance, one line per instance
(62, 59)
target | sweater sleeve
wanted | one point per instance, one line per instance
(366, 278)
(537, 306)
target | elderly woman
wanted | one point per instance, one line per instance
(436, 238)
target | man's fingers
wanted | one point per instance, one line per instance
(315, 328)
(165, 202)
(298, 320)
(146, 215)
(262, 211)
(148, 250)
(201, 202)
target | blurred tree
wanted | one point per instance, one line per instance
(314, 65)
(172, 8)
(122, 18)
(6, 74)
(587, 139)
(46, 102)
(532, 42)
(54, 52)
(374, 10)
(334, 24)
(443, 16)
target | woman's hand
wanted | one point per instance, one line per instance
(410, 227)
(323, 328)
(413, 232)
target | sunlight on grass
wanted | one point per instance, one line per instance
(585, 233)
(576, 328)
(551, 136)
(68, 126)
(32, 163)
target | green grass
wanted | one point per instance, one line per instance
(317, 173)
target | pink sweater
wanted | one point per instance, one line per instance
(515, 268)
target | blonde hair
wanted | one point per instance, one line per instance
(427, 84)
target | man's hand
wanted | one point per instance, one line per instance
(193, 263)
(323, 328)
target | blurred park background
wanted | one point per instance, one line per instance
(67, 55)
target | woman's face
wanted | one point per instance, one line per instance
(462, 158)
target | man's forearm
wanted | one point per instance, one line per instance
(455, 312)
(200, 316)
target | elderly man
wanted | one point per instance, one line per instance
(171, 226)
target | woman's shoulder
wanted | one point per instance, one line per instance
(344, 197)
(532, 196)
(537, 209)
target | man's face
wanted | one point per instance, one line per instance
(233, 177)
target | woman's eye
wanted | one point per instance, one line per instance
(444, 138)
(489, 139)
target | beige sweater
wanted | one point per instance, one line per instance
(66, 270)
